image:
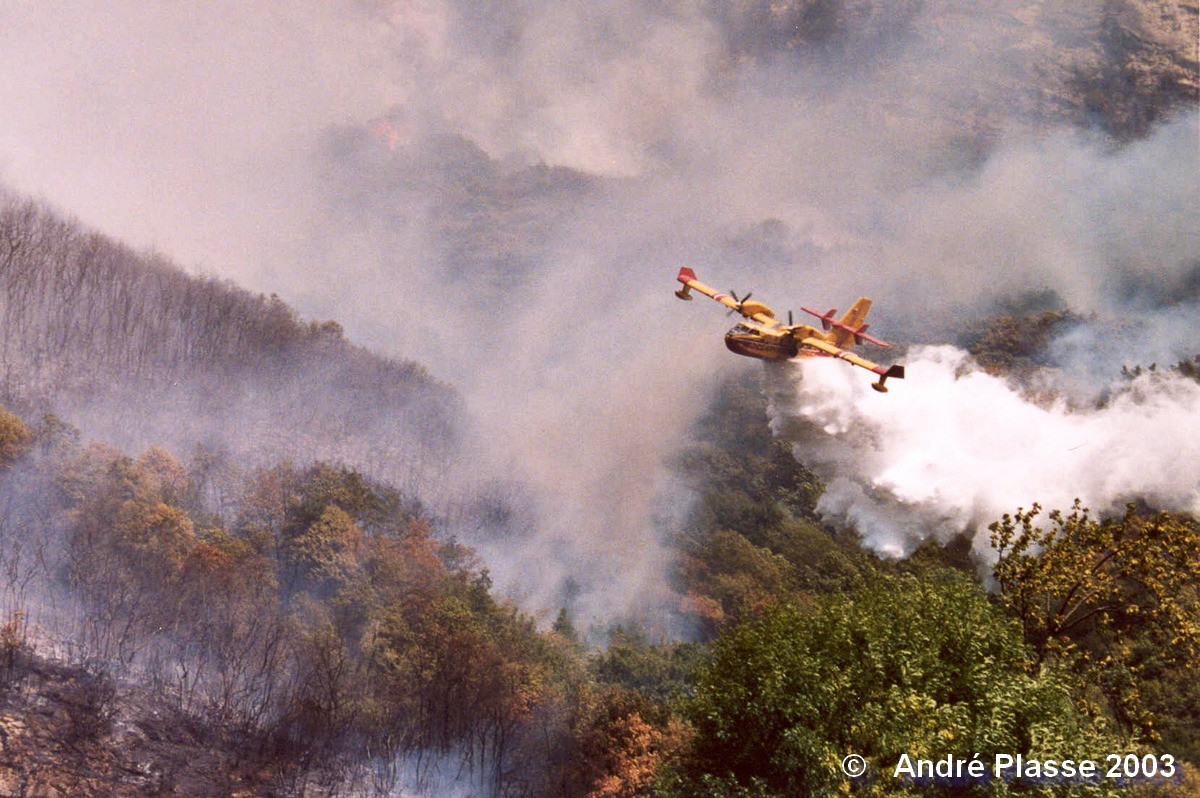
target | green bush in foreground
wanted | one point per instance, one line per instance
(927, 668)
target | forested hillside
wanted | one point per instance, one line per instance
(301, 624)
(1088, 641)
(312, 637)
(312, 630)
(129, 345)
(557, 541)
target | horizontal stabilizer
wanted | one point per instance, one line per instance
(826, 318)
(852, 323)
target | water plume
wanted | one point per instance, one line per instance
(952, 448)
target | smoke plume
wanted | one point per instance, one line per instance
(505, 192)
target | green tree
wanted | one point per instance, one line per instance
(327, 555)
(729, 578)
(925, 667)
(564, 627)
(126, 545)
(375, 508)
(754, 535)
(1015, 345)
(660, 672)
(1118, 599)
(458, 672)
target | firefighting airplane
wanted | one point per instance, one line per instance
(763, 336)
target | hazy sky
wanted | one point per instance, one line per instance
(372, 162)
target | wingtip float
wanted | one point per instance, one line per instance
(761, 335)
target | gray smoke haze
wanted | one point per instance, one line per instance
(505, 192)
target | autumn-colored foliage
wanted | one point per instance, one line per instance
(1118, 599)
(316, 618)
(15, 437)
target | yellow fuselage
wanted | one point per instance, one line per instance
(745, 340)
(755, 345)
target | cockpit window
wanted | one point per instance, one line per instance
(740, 329)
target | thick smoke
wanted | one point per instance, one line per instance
(953, 448)
(505, 192)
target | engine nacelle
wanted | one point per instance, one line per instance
(754, 308)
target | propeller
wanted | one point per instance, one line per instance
(739, 301)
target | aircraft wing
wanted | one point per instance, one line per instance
(883, 371)
(750, 309)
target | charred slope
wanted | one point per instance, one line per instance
(66, 730)
(1121, 65)
(137, 351)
